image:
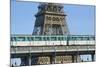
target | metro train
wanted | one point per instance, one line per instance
(32, 40)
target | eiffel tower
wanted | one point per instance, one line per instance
(50, 20)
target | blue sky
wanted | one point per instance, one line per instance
(80, 18)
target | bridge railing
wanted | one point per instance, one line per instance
(34, 49)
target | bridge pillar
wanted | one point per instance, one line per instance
(92, 57)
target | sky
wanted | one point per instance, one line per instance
(80, 18)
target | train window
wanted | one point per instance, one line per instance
(44, 39)
(92, 38)
(78, 38)
(28, 38)
(32, 38)
(60, 38)
(88, 38)
(81, 38)
(38, 38)
(85, 38)
(72, 38)
(20, 38)
(53, 38)
(48, 38)
(65, 38)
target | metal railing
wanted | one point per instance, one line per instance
(36, 49)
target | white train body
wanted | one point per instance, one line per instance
(19, 41)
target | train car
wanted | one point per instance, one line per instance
(31, 40)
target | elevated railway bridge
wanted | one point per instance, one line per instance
(35, 50)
